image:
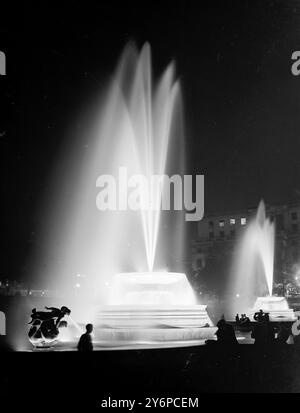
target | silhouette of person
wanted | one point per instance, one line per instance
(85, 343)
(263, 332)
(283, 334)
(296, 332)
(225, 333)
(244, 324)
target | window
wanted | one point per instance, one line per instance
(243, 221)
(222, 234)
(211, 235)
(232, 233)
(294, 216)
(232, 221)
(221, 223)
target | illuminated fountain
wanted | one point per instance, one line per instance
(138, 135)
(151, 307)
(155, 309)
(254, 270)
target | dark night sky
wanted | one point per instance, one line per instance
(242, 104)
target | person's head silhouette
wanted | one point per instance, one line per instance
(89, 328)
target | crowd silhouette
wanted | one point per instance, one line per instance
(261, 330)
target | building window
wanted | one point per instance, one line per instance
(243, 221)
(232, 233)
(221, 223)
(294, 216)
(222, 234)
(211, 235)
(295, 227)
(232, 221)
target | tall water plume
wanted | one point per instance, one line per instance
(137, 126)
(253, 262)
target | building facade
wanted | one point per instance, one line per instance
(218, 235)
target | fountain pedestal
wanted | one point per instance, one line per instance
(153, 308)
(277, 307)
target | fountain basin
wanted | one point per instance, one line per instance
(153, 317)
(277, 307)
(156, 308)
(125, 324)
(159, 337)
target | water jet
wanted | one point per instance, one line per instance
(139, 134)
(254, 270)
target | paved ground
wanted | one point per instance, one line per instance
(75, 379)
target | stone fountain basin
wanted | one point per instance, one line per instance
(154, 335)
(277, 307)
(156, 307)
(122, 316)
(150, 324)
